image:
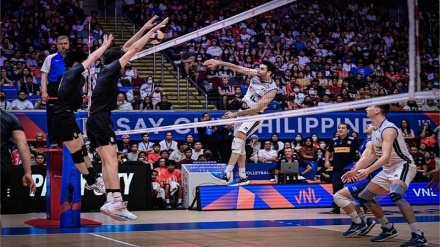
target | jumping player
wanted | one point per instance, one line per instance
(100, 126)
(261, 92)
(64, 119)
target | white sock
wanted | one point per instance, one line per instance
(179, 200)
(276, 177)
(228, 170)
(363, 217)
(167, 200)
(415, 228)
(242, 172)
(355, 217)
(384, 222)
(109, 197)
(117, 197)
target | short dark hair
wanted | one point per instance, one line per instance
(384, 108)
(346, 124)
(112, 55)
(270, 66)
(73, 56)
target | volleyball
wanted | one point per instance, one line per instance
(156, 38)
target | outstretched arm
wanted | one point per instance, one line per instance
(138, 45)
(107, 40)
(212, 63)
(138, 35)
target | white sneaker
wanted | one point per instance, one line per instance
(98, 186)
(117, 211)
(272, 180)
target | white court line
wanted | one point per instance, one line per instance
(114, 240)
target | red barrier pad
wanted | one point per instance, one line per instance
(49, 223)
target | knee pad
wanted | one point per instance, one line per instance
(396, 195)
(366, 197)
(84, 151)
(341, 200)
(78, 157)
(237, 146)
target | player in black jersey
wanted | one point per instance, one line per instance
(99, 125)
(69, 100)
(11, 127)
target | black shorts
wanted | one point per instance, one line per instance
(65, 126)
(100, 130)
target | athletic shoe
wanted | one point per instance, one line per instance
(98, 186)
(54, 145)
(179, 205)
(385, 234)
(117, 211)
(240, 182)
(223, 177)
(355, 229)
(370, 224)
(168, 206)
(416, 241)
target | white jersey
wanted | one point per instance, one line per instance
(257, 90)
(399, 153)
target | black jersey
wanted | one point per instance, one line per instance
(9, 123)
(344, 152)
(104, 96)
(69, 92)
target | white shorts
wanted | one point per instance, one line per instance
(248, 128)
(399, 171)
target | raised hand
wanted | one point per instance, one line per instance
(150, 23)
(160, 25)
(210, 63)
(434, 183)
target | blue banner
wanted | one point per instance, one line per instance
(325, 125)
(293, 196)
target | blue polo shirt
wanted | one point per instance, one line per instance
(54, 66)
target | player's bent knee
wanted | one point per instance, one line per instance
(366, 197)
(341, 200)
(396, 195)
(78, 157)
(237, 145)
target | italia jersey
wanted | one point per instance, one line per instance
(257, 90)
(399, 152)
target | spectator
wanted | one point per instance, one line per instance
(267, 155)
(197, 150)
(179, 154)
(40, 105)
(21, 103)
(147, 104)
(40, 159)
(168, 143)
(4, 104)
(156, 94)
(124, 146)
(135, 97)
(147, 87)
(188, 157)
(208, 136)
(145, 144)
(430, 106)
(226, 92)
(154, 156)
(134, 152)
(291, 157)
(6, 79)
(30, 88)
(122, 103)
(256, 146)
(164, 104)
(307, 152)
(407, 132)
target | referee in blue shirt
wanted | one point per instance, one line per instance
(52, 72)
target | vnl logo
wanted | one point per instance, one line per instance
(307, 196)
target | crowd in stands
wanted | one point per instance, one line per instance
(326, 52)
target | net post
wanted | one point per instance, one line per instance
(70, 199)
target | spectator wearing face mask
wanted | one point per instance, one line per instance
(147, 87)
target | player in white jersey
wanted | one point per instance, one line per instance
(261, 92)
(398, 171)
